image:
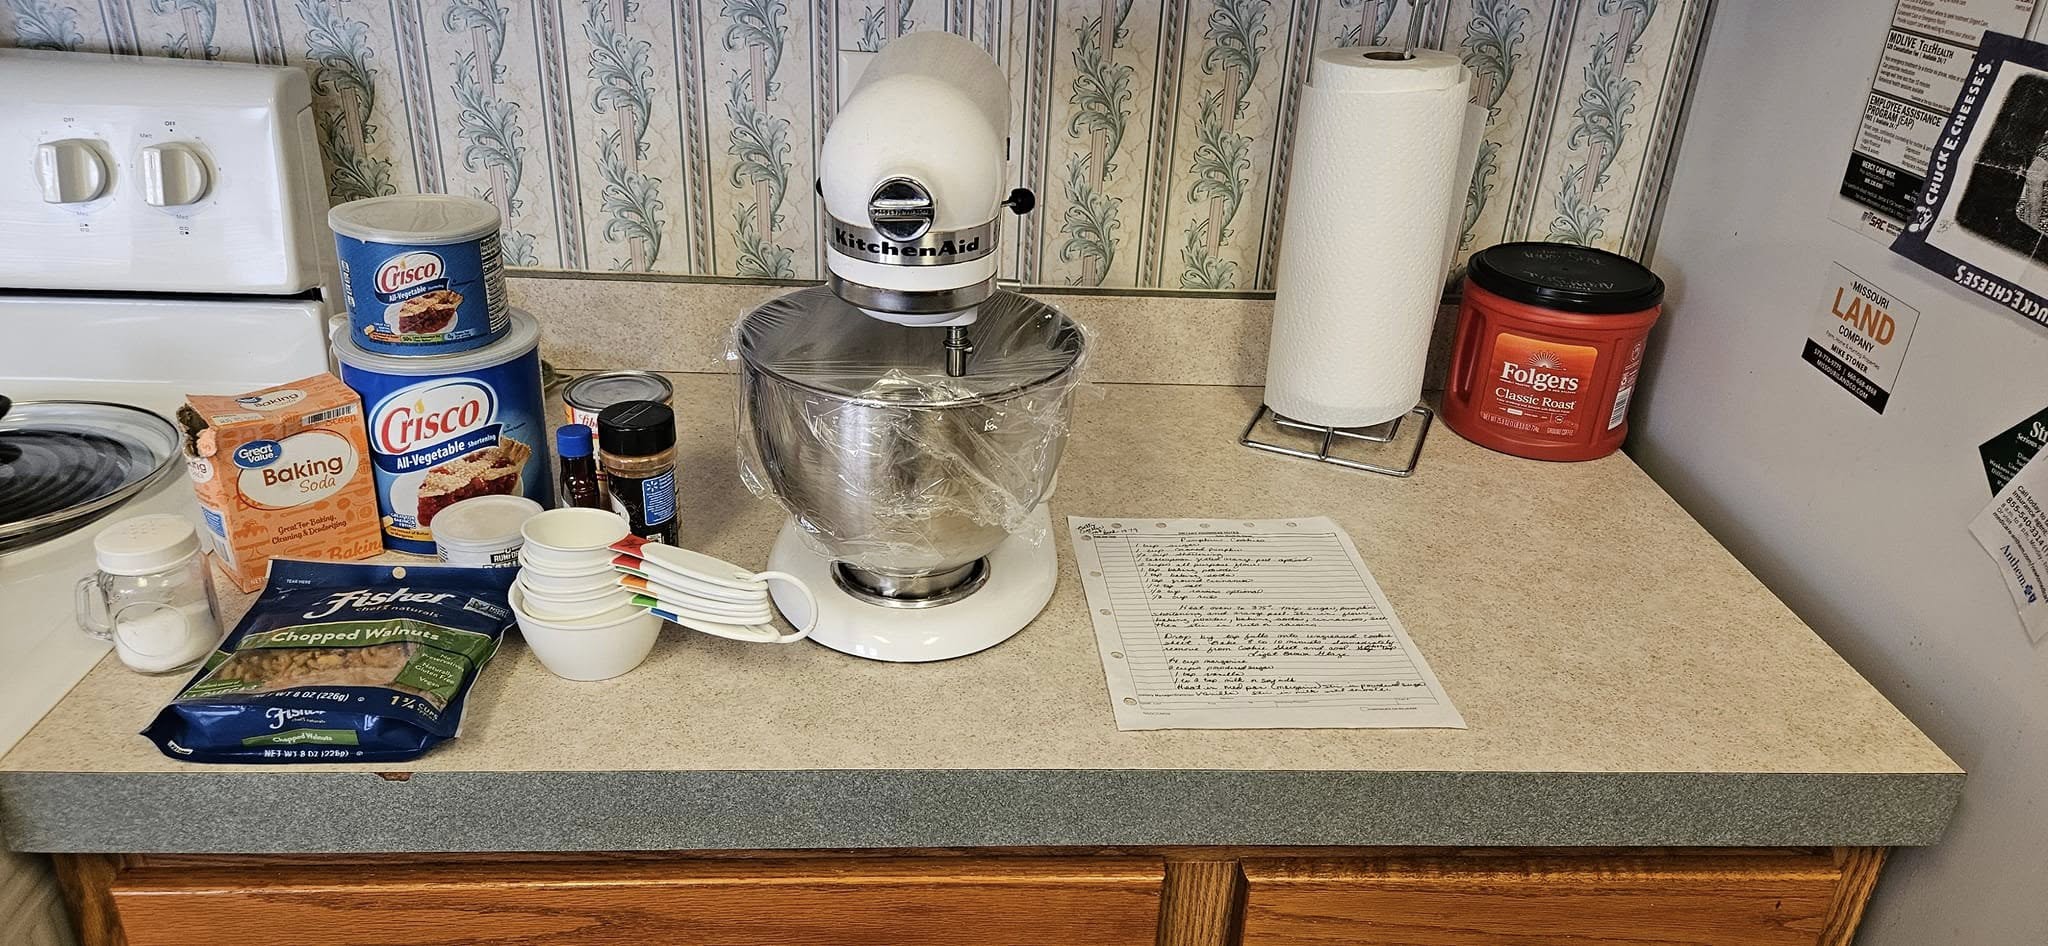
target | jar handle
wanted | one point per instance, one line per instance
(1468, 349)
(87, 600)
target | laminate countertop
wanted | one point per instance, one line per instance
(1625, 681)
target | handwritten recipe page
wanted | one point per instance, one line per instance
(1233, 624)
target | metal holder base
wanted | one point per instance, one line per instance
(1328, 438)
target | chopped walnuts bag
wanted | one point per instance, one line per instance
(341, 663)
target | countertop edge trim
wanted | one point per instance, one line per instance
(331, 812)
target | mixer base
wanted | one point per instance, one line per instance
(1021, 576)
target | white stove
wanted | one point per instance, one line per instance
(166, 236)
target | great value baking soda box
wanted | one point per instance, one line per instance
(282, 472)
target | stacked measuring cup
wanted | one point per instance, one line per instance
(572, 611)
(590, 596)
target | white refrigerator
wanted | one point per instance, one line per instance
(1857, 518)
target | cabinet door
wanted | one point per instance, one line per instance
(796, 902)
(1614, 900)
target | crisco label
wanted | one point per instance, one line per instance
(1536, 385)
(410, 274)
(438, 438)
(423, 299)
(428, 423)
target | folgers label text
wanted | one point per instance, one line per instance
(1536, 385)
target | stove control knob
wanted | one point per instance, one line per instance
(71, 171)
(174, 175)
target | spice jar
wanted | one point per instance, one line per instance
(636, 443)
(1548, 349)
(150, 596)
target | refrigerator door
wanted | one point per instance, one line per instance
(1856, 518)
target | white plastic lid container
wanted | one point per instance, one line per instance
(483, 531)
(420, 219)
(145, 545)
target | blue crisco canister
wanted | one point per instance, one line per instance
(422, 274)
(446, 428)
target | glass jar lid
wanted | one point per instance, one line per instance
(144, 545)
(813, 339)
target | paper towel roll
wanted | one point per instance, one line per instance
(1380, 167)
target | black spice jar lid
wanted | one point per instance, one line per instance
(1566, 277)
(636, 428)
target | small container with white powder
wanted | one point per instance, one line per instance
(483, 531)
(150, 596)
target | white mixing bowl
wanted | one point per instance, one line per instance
(598, 648)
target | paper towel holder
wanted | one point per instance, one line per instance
(1328, 438)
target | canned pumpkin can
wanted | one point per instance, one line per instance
(451, 427)
(422, 274)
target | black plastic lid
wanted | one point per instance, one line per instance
(636, 428)
(1566, 277)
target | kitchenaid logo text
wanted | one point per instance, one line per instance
(430, 413)
(370, 599)
(887, 248)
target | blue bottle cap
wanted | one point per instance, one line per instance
(572, 440)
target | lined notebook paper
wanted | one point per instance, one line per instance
(1233, 624)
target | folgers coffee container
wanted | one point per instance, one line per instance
(1549, 345)
(450, 427)
(422, 273)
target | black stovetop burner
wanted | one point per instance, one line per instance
(46, 471)
(64, 464)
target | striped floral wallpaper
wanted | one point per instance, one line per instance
(679, 136)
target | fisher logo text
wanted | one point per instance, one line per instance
(410, 274)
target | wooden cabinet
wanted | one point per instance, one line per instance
(1770, 899)
(634, 902)
(1037, 897)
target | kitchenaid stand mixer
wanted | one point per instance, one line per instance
(911, 416)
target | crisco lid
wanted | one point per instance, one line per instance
(595, 392)
(815, 340)
(483, 523)
(1566, 277)
(414, 218)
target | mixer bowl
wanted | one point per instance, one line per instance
(891, 467)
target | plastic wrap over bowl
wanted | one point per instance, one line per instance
(887, 464)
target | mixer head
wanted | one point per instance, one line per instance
(912, 173)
